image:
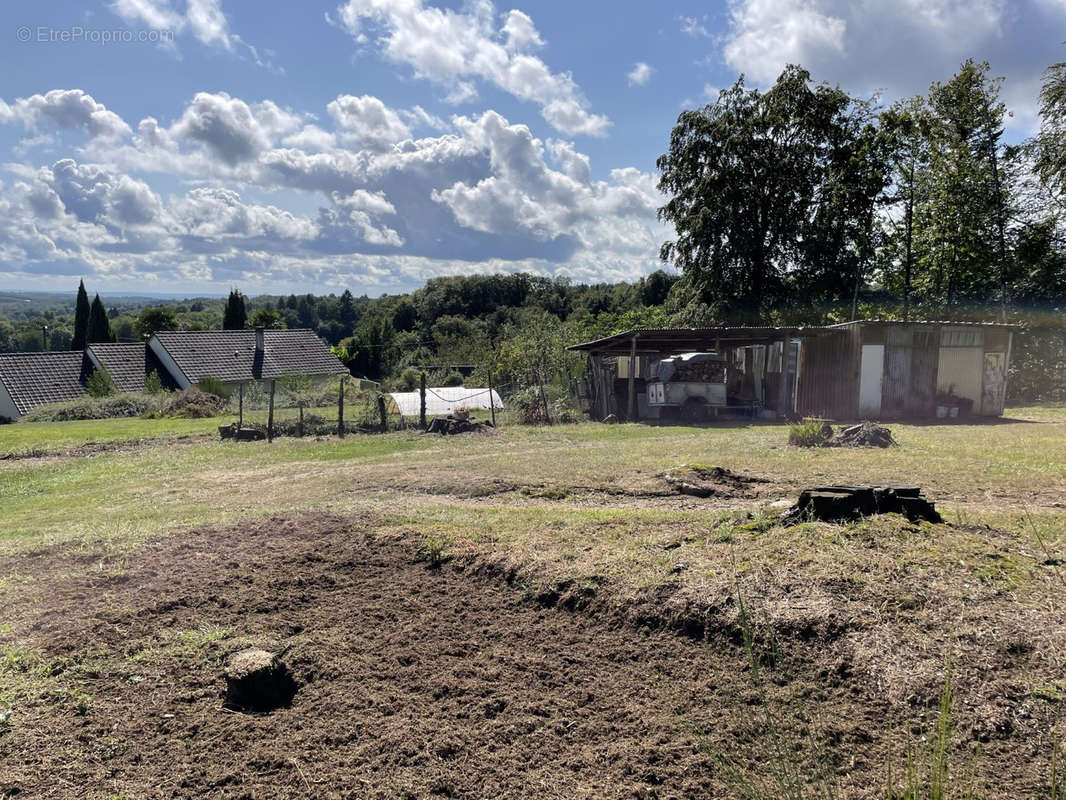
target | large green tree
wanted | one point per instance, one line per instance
(1051, 140)
(235, 315)
(81, 319)
(99, 324)
(153, 320)
(772, 194)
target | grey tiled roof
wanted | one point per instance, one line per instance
(33, 379)
(230, 355)
(125, 364)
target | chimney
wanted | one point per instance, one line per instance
(260, 340)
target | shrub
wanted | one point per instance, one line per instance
(100, 384)
(453, 378)
(209, 385)
(195, 404)
(127, 404)
(409, 380)
(153, 384)
(810, 433)
(534, 407)
(433, 550)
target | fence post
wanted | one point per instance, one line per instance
(270, 413)
(340, 410)
(382, 413)
(240, 409)
(492, 402)
(422, 401)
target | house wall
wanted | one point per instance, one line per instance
(177, 377)
(7, 406)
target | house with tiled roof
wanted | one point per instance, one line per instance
(28, 380)
(125, 363)
(241, 357)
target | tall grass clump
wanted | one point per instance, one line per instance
(809, 433)
(928, 772)
(778, 772)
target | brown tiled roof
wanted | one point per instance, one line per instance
(33, 379)
(124, 362)
(230, 355)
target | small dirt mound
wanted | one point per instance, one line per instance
(866, 434)
(702, 481)
(257, 680)
(452, 425)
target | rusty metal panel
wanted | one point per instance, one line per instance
(827, 381)
(925, 357)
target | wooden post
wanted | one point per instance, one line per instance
(240, 409)
(270, 413)
(340, 410)
(422, 401)
(492, 402)
(383, 413)
(631, 414)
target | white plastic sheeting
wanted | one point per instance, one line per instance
(444, 400)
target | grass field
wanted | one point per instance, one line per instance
(579, 517)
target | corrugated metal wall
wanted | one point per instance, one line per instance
(828, 376)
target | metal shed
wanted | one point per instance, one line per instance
(862, 369)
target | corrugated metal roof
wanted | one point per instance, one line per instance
(925, 322)
(661, 339)
(444, 400)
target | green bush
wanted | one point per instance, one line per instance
(453, 378)
(100, 384)
(127, 404)
(153, 384)
(409, 380)
(810, 433)
(214, 386)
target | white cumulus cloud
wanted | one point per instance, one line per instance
(453, 47)
(640, 74)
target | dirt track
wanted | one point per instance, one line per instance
(414, 682)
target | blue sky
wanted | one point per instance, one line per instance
(373, 144)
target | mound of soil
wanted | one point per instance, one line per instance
(701, 481)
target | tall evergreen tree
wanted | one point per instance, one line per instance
(99, 324)
(81, 319)
(235, 317)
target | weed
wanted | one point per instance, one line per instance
(433, 550)
(928, 772)
(810, 433)
(550, 493)
(778, 774)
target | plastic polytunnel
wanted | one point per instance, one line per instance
(444, 400)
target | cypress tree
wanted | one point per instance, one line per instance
(81, 319)
(235, 317)
(99, 324)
